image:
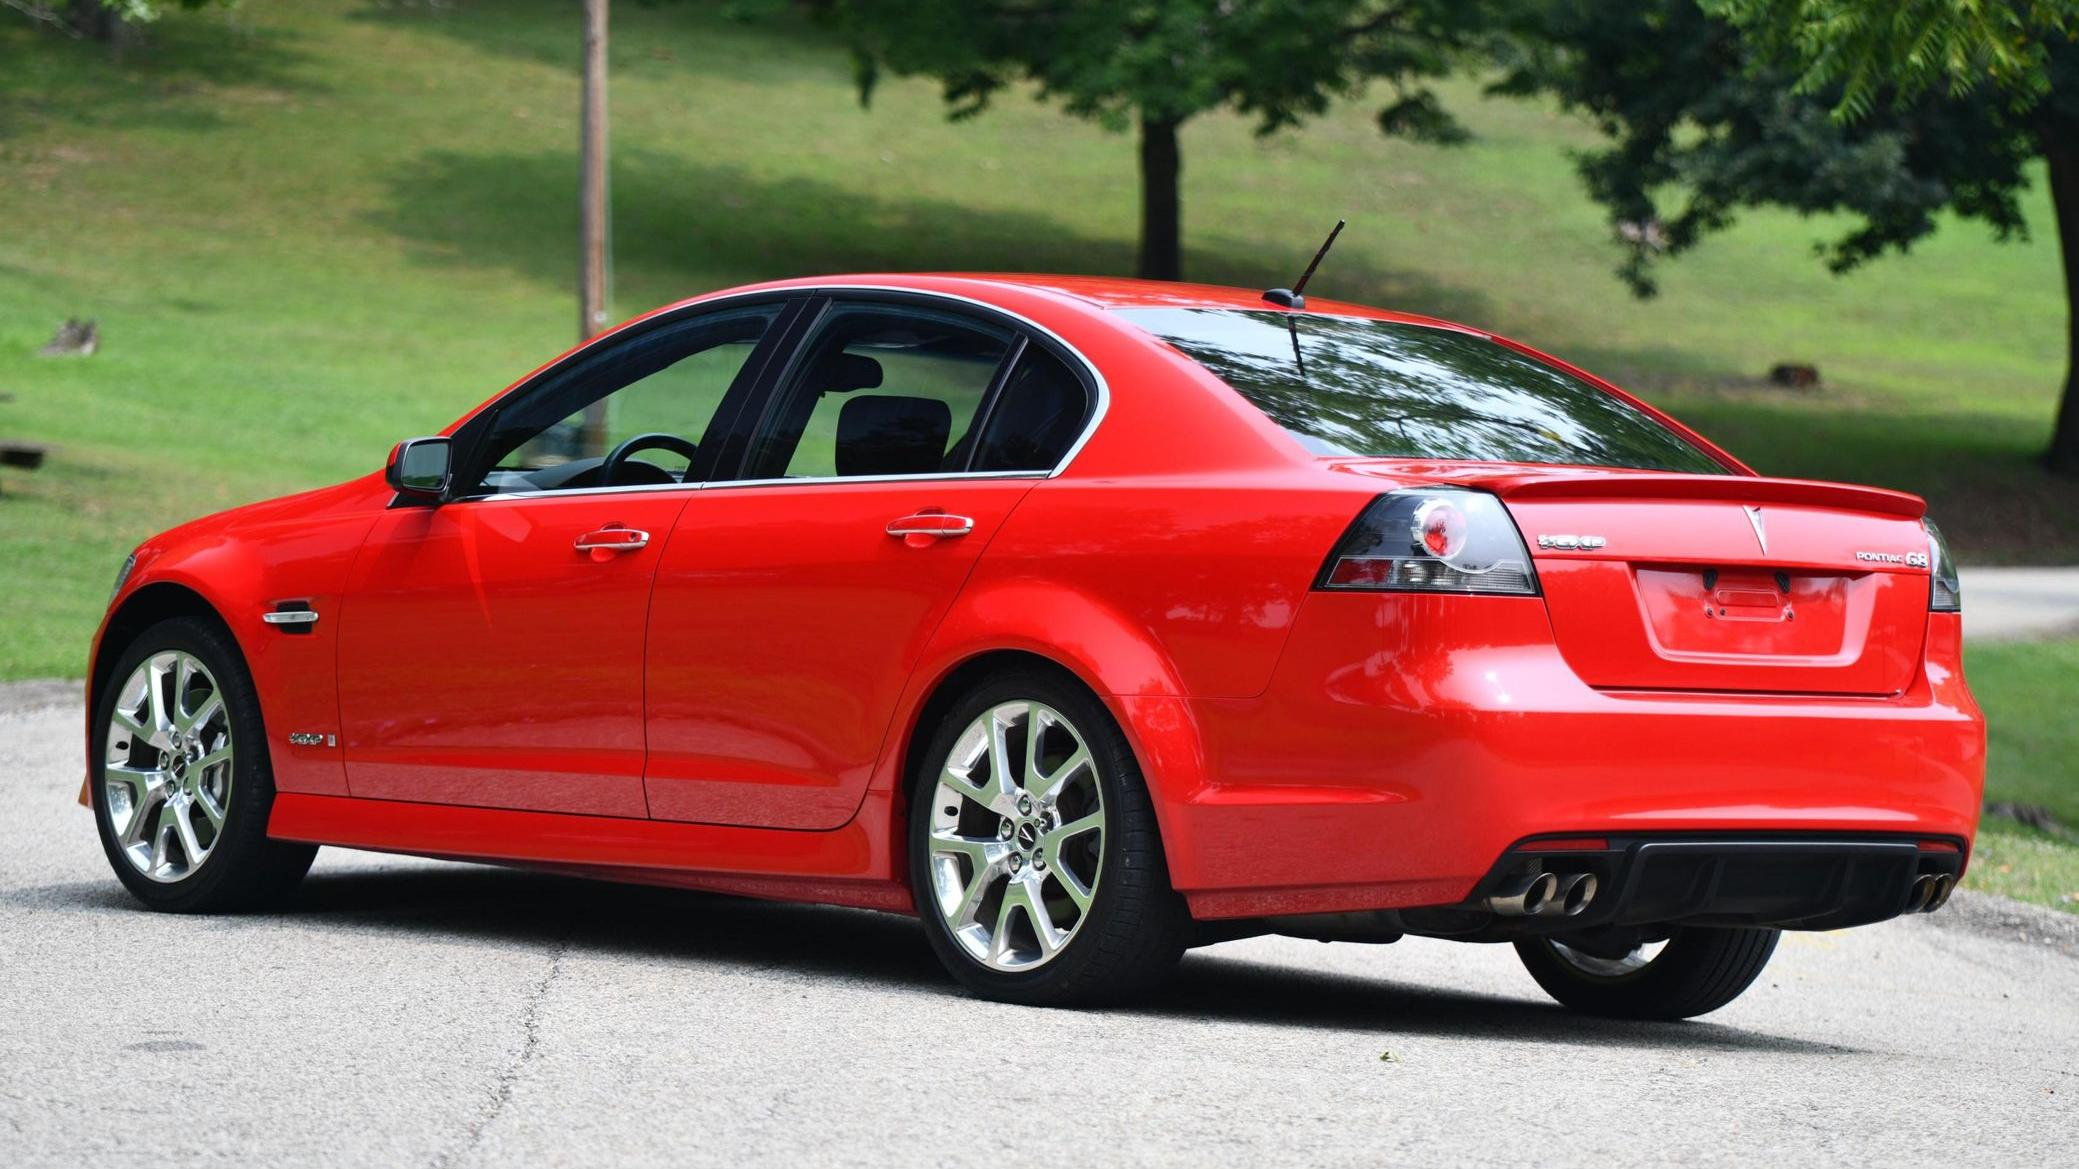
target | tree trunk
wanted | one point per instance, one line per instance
(96, 21)
(1162, 249)
(2061, 148)
(592, 210)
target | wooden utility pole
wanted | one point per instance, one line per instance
(592, 209)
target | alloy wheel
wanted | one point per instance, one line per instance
(1016, 836)
(1639, 957)
(168, 767)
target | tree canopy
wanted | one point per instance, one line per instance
(1859, 50)
(1706, 114)
(1155, 65)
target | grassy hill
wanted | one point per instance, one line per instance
(309, 230)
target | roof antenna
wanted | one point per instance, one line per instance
(1293, 297)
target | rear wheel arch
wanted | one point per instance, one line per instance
(962, 677)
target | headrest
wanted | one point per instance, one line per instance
(888, 434)
(840, 373)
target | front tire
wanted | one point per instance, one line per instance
(1698, 971)
(1034, 854)
(181, 783)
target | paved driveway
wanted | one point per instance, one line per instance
(2006, 604)
(412, 1013)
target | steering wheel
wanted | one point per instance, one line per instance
(655, 440)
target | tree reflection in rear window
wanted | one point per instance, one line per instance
(1389, 389)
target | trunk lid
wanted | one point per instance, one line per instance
(1725, 583)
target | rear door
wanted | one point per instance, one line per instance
(1729, 583)
(792, 604)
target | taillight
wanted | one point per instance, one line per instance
(1432, 540)
(1944, 590)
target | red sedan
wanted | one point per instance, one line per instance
(1088, 620)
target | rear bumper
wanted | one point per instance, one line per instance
(1810, 882)
(1406, 743)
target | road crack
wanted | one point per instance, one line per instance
(508, 1080)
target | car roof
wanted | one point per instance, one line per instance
(1115, 292)
(1109, 292)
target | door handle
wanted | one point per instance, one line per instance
(930, 525)
(612, 540)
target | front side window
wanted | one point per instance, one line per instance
(1350, 386)
(628, 412)
(880, 389)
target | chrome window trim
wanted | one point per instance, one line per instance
(1097, 412)
(725, 484)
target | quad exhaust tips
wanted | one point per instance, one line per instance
(1544, 895)
(1930, 892)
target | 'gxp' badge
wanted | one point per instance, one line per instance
(1572, 543)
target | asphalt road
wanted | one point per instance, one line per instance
(2009, 604)
(418, 1014)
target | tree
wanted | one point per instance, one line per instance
(1891, 111)
(106, 21)
(1154, 66)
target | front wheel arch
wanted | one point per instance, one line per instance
(143, 608)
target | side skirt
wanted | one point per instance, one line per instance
(843, 866)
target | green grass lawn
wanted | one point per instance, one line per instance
(2029, 691)
(310, 230)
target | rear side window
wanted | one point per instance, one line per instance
(880, 389)
(1348, 386)
(1036, 418)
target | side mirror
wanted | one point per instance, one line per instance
(419, 468)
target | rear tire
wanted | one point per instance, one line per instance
(1697, 972)
(1011, 842)
(185, 834)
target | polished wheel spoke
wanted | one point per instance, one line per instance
(985, 866)
(1049, 786)
(184, 824)
(162, 717)
(211, 811)
(1091, 823)
(996, 851)
(136, 727)
(209, 709)
(162, 848)
(169, 763)
(982, 853)
(1049, 935)
(985, 794)
(1000, 748)
(1072, 885)
(140, 791)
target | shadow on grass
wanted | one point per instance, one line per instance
(658, 40)
(158, 83)
(684, 228)
(691, 227)
(888, 952)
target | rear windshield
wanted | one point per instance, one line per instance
(1386, 389)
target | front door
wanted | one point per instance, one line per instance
(491, 648)
(793, 604)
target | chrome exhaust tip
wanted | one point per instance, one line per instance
(1575, 893)
(1923, 889)
(1938, 895)
(1524, 895)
